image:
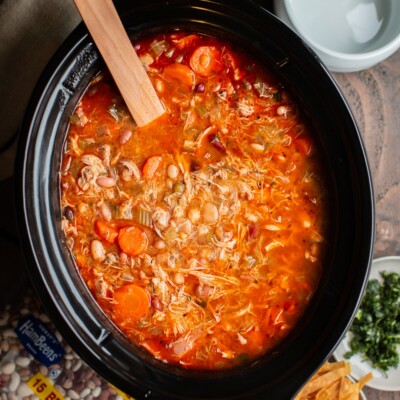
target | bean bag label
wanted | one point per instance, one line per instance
(43, 388)
(39, 341)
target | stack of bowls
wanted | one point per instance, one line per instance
(347, 35)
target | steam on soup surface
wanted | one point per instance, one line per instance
(201, 235)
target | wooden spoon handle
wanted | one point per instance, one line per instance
(107, 31)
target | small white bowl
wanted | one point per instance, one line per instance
(348, 35)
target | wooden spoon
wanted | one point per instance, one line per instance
(107, 31)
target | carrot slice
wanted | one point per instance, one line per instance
(131, 303)
(106, 231)
(206, 60)
(132, 240)
(151, 166)
(181, 73)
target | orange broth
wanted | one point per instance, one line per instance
(201, 235)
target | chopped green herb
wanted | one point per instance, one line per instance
(376, 327)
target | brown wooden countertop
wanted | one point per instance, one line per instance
(374, 98)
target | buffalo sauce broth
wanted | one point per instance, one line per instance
(202, 234)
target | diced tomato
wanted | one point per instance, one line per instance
(303, 144)
(206, 60)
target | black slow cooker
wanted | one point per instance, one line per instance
(279, 374)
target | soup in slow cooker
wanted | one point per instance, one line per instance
(201, 235)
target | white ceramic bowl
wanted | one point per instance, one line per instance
(348, 35)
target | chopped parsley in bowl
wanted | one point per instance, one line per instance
(372, 344)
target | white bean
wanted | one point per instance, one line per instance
(8, 368)
(179, 278)
(85, 392)
(202, 230)
(172, 171)
(194, 215)
(22, 361)
(105, 211)
(14, 382)
(210, 213)
(73, 395)
(282, 110)
(257, 147)
(185, 226)
(97, 250)
(159, 244)
(24, 390)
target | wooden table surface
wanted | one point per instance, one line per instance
(374, 98)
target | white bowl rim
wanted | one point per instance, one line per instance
(389, 47)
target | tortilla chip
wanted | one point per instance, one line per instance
(331, 382)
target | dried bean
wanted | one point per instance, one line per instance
(73, 395)
(125, 135)
(60, 389)
(8, 368)
(91, 385)
(69, 213)
(96, 391)
(77, 366)
(14, 382)
(85, 392)
(22, 361)
(68, 384)
(9, 333)
(24, 390)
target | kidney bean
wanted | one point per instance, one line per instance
(106, 181)
(69, 213)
